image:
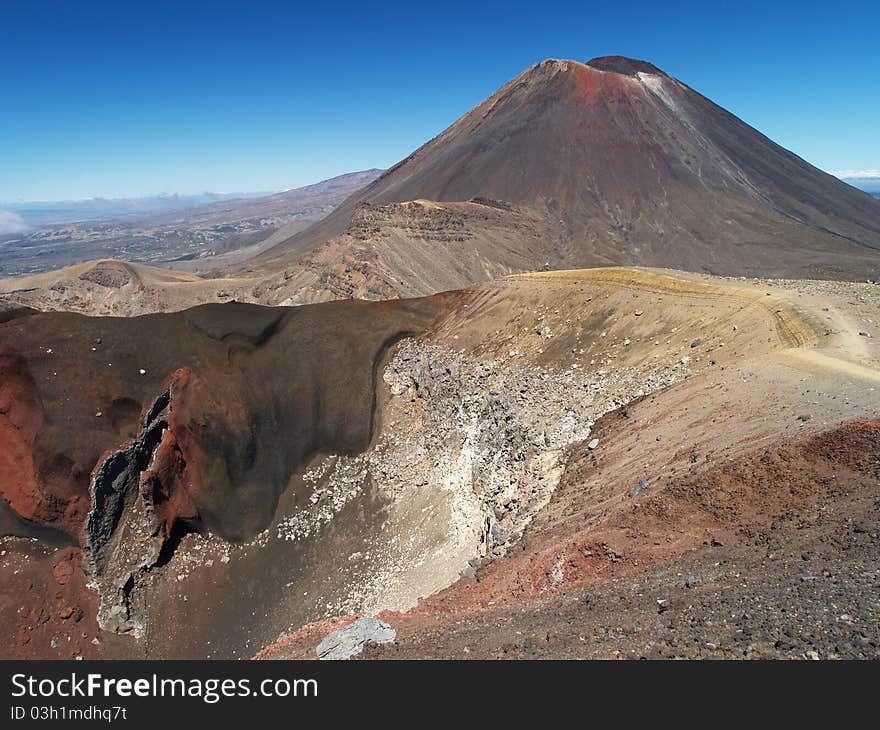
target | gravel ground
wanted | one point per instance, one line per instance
(806, 588)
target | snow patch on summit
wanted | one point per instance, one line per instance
(655, 85)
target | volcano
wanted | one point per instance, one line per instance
(569, 165)
(608, 162)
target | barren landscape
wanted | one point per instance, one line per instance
(591, 374)
(735, 434)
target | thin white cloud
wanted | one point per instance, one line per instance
(857, 174)
(11, 223)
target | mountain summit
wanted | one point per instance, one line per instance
(616, 162)
(623, 65)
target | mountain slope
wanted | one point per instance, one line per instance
(625, 164)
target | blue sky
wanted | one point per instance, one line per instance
(129, 99)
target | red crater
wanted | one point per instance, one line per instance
(21, 415)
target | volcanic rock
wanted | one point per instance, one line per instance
(346, 642)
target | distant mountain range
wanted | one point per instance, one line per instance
(867, 180)
(36, 214)
(198, 233)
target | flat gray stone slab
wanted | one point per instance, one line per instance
(349, 641)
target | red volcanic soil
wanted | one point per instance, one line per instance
(745, 559)
(742, 559)
(22, 416)
(301, 644)
(732, 500)
(45, 608)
